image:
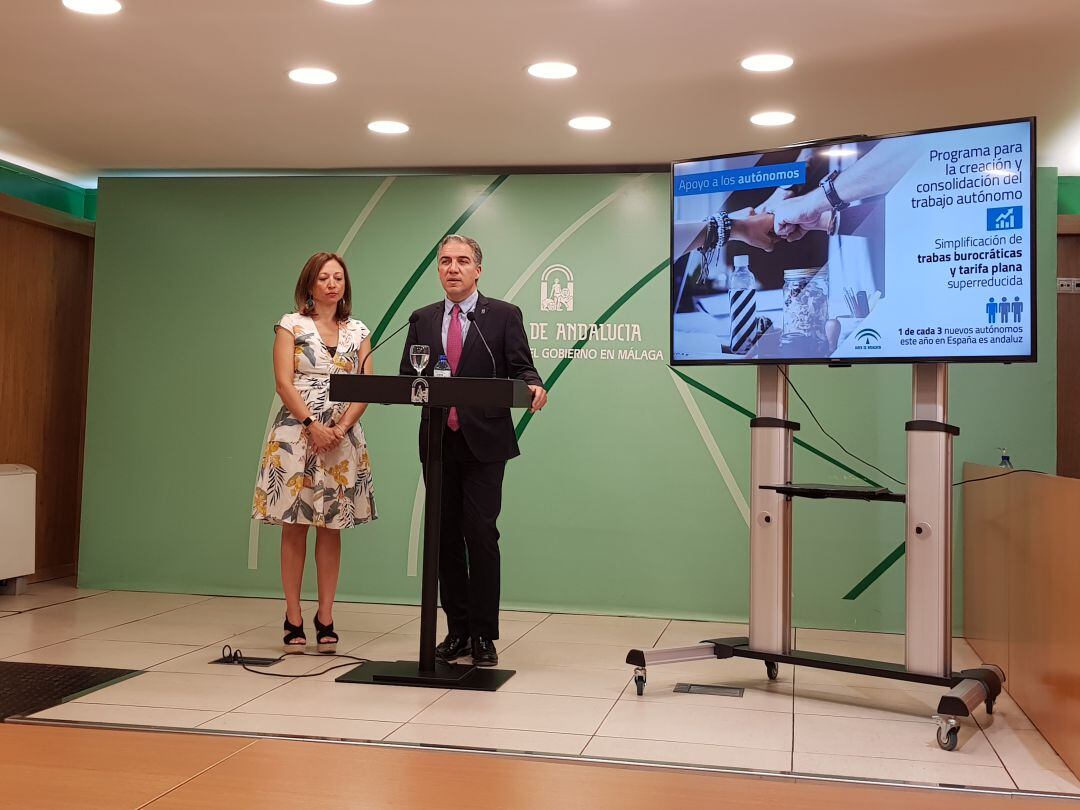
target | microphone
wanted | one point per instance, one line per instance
(471, 316)
(412, 319)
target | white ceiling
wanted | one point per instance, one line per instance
(201, 84)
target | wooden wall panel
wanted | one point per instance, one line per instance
(45, 293)
(1021, 556)
(1044, 633)
(986, 565)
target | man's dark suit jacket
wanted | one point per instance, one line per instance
(489, 432)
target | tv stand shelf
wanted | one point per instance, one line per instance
(820, 491)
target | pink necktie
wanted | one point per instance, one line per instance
(453, 354)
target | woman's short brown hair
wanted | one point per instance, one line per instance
(307, 280)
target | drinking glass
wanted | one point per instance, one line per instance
(419, 356)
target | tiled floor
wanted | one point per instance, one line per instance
(573, 692)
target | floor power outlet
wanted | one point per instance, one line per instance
(231, 656)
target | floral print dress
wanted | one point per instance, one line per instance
(296, 484)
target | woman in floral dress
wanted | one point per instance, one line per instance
(315, 469)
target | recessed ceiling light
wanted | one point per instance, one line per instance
(772, 119)
(388, 127)
(310, 75)
(349, 2)
(839, 151)
(93, 6)
(767, 62)
(589, 122)
(552, 70)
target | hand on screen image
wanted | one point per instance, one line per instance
(782, 193)
(794, 218)
(778, 200)
(797, 216)
(747, 225)
(754, 228)
(873, 174)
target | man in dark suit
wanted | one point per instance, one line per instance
(476, 446)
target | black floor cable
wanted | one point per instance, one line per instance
(237, 657)
(833, 438)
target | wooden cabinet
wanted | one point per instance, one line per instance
(45, 292)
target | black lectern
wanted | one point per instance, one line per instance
(437, 394)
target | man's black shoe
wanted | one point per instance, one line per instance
(483, 653)
(453, 648)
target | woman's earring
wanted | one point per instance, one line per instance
(310, 302)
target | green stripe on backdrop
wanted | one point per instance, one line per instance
(418, 273)
(748, 413)
(878, 571)
(714, 394)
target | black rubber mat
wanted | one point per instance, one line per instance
(29, 688)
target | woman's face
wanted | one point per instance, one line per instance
(329, 284)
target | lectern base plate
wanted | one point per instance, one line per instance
(445, 676)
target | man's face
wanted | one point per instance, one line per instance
(458, 272)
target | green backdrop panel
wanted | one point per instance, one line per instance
(1068, 195)
(630, 496)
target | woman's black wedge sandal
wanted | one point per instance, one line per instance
(325, 631)
(292, 633)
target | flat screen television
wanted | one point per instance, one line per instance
(918, 247)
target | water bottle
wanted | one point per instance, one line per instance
(442, 368)
(743, 307)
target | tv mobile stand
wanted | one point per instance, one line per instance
(928, 539)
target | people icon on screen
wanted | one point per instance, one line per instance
(1017, 309)
(1005, 308)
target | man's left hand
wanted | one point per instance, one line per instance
(539, 398)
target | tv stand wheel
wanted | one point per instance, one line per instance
(772, 669)
(639, 681)
(949, 739)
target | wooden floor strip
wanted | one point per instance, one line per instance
(283, 774)
(49, 767)
(197, 775)
(52, 768)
